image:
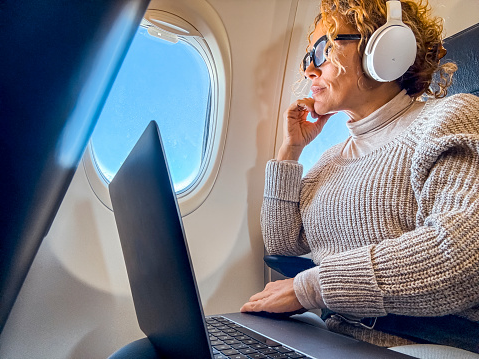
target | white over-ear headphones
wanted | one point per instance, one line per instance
(391, 50)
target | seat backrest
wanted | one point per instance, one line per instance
(58, 61)
(463, 49)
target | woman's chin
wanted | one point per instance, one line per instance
(322, 110)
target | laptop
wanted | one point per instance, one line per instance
(164, 289)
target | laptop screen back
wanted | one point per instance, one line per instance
(156, 255)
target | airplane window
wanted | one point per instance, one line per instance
(177, 72)
(162, 81)
(336, 131)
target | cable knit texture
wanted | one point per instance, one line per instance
(393, 231)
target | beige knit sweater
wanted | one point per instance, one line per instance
(393, 231)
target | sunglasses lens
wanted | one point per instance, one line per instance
(319, 54)
(306, 62)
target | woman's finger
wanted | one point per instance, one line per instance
(253, 306)
(305, 104)
(258, 296)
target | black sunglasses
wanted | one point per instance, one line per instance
(316, 55)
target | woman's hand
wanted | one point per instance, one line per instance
(277, 297)
(298, 132)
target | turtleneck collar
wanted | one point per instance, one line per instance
(381, 117)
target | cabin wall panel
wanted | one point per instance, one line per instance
(457, 14)
(228, 222)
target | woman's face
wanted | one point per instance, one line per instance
(333, 93)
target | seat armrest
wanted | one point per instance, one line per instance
(288, 266)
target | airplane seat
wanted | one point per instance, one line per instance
(139, 349)
(288, 266)
(59, 60)
(462, 49)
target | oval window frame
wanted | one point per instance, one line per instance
(200, 25)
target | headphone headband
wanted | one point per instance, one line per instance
(394, 10)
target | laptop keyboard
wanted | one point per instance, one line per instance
(233, 341)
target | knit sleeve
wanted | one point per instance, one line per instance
(437, 265)
(432, 270)
(280, 215)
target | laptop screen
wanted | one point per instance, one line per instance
(156, 254)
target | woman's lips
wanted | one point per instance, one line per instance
(316, 89)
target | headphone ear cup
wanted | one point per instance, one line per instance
(390, 52)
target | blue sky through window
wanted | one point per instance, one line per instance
(334, 131)
(160, 81)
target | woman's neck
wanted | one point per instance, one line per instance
(372, 99)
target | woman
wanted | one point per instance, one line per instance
(390, 215)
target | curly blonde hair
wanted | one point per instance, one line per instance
(368, 15)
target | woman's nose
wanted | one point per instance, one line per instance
(312, 71)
